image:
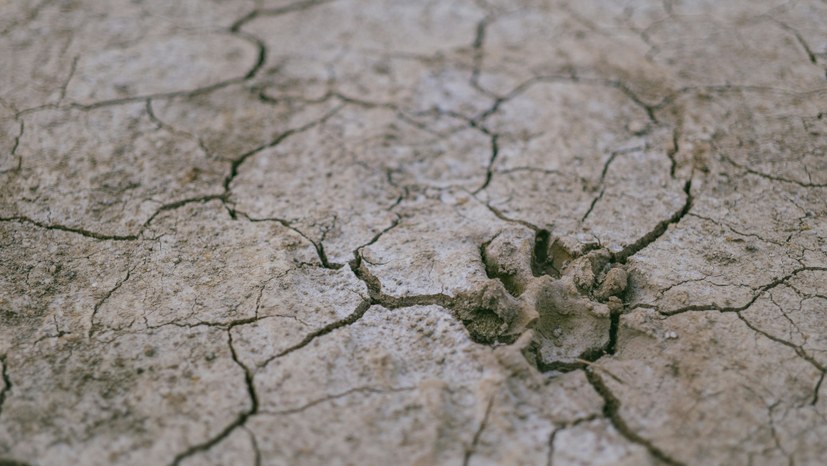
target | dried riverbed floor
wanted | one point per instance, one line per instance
(264, 232)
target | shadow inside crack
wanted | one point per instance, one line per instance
(548, 257)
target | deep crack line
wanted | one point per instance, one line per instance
(7, 385)
(489, 171)
(804, 45)
(178, 204)
(261, 58)
(758, 293)
(471, 449)
(500, 215)
(797, 349)
(611, 409)
(734, 230)
(68, 229)
(561, 428)
(160, 124)
(317, 245)
(236, 164)
(107, 237)
(376, 297)
(478, 55)
(551, 440)
(659, 229)
(254, 444)
(477, 124)
(68, 79)
(238, 422)
(593, 203)
(817, 389)
(649, 109)
(14, 148)
(277, 11)
(357, 314)
(767, 176)
(234, 30)
(673, 151)
(605, 172)
(103, 300)
(477, 48)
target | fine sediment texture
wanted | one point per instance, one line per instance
(321, 232)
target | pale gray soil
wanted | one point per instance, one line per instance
(375, 232)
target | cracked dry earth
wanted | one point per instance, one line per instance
(366, 232)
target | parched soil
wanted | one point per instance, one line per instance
(413, 232)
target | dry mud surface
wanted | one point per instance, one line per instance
(413, 232)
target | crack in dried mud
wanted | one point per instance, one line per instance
(612, 412)
(659, 229)
(238, 422)
(508, 281)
